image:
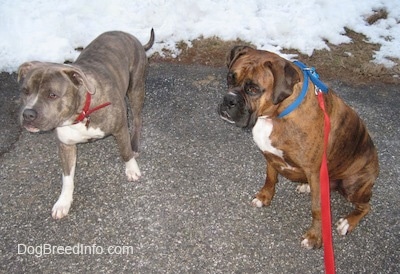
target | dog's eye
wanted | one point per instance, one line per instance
(252, 89)
(52, 95)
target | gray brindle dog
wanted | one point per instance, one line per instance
(85, 101)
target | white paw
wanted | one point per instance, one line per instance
(303, 188)
(132, 170)
(60, 209)
(306, 244)
(256, 203)
(342, 226)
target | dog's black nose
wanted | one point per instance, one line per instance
(230, 100)
(29, 115)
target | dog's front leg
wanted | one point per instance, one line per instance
(132, 170)
(67, 155)
(267, 192)
(313, 238)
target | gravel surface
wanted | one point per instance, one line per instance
(190, 212)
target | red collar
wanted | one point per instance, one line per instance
(86, 111)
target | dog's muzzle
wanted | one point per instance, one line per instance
(28, 117)
(225, 116)
(227, 108)
(233, 109)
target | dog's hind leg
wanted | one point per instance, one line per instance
(360, 198)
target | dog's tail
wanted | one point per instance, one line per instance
(151, 41)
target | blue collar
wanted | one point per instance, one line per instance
(309, 74)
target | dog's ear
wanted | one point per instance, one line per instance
(285, 77)
(25, 68)
(77, 77)
(234, 54)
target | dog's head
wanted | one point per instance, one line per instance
(258, 81)
(50, 94)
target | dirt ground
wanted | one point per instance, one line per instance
(349, 63)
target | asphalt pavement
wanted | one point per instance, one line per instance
(190, 212)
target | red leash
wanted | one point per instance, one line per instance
(320, 88)
(329, 257)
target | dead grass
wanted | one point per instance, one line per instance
(204, 51)
(350, 63)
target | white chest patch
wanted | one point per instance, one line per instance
(78, 133)
(261, 133)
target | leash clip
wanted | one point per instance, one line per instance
(87, 121)
(317, 90)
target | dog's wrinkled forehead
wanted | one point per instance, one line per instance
(44, 81)
(246, 63)
(41, 74)
(267, 70)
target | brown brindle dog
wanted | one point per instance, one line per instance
(262, 85)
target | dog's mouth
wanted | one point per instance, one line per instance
(226, 117)
(31, 128)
